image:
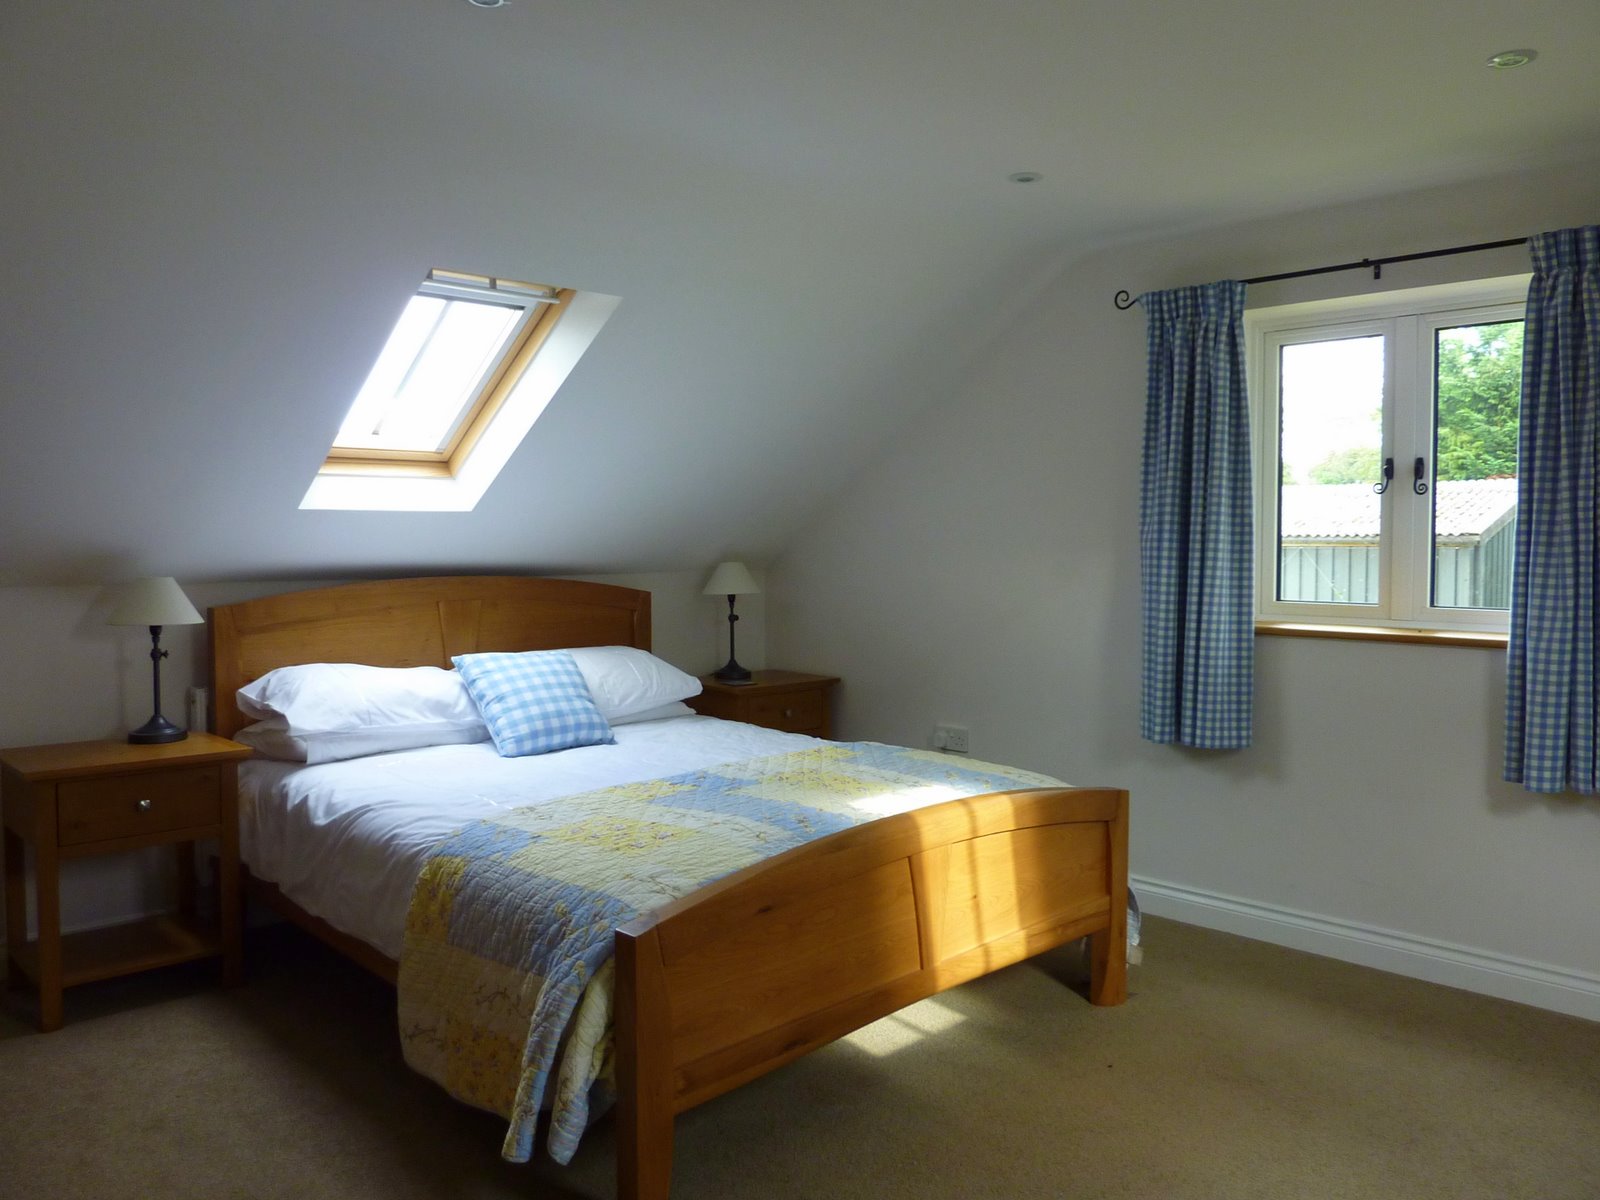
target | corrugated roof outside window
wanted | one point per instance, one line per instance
(1464, 508)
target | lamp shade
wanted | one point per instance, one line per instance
(731, 579)
(153, 602)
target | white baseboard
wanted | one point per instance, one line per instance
(1555, 988)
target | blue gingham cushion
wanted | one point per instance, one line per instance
(533, 702)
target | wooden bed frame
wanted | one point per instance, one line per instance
(771, 962)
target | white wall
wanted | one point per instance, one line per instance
(67, 676)
(985, 571)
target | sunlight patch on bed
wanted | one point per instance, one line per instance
(905, 1028)
(887, 804)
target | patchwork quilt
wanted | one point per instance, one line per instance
(506, 972)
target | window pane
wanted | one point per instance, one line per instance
(429, 370)
(1478, 399)
(1330, 451)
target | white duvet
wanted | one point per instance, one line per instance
(346, 840)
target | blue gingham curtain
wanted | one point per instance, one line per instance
(1551, 697)
(1195, 521)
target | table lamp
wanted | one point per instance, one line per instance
(154, 603)
(731, 579)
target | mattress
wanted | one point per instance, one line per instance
(347, 840)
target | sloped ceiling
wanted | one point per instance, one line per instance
(212, 213)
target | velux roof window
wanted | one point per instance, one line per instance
(469, 366)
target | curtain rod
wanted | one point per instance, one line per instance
(1124, 301)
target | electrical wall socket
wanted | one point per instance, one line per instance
(950, 737)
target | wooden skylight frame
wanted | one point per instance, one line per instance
(545, 307)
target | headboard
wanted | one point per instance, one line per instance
(413, 623)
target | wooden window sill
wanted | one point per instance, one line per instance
(1377, 633)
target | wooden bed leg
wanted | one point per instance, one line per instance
(643, 1031)
(644, 1158)
(1108, 967)
(1108, 950)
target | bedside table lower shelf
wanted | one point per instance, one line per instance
(95, 954)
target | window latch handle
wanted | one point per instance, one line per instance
(1388, 475)
(1419, 477)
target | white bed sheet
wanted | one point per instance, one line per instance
(346, 840)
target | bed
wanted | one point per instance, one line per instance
(716, 987)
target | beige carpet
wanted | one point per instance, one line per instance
(1236, 1070)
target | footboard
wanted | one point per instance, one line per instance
(788, 955)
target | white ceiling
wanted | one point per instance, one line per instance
(212, 213)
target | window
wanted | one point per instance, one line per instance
(454, 390)
(1386, 452)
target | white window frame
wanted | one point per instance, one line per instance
(1409, 320)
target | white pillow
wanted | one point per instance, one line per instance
(676, 709)
(321, 712)
(624, 680)
(273, 738)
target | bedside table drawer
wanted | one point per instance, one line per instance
(793, 713)
(792, 701)
(118, 806)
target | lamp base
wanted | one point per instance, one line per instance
(156, 731)
(732, 673)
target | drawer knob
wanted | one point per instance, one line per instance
(788, 712)
(144, 805)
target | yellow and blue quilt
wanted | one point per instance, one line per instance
(505, 976)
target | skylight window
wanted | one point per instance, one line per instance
(467, 369)
(432, 366)
(443, 368)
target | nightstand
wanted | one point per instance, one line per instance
(787, 700)
(80, 799)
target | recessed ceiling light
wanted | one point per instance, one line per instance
(1507, 59)
(487, 3)
(1025, 177)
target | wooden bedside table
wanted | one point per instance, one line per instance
(79, 799)
(787, 700)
